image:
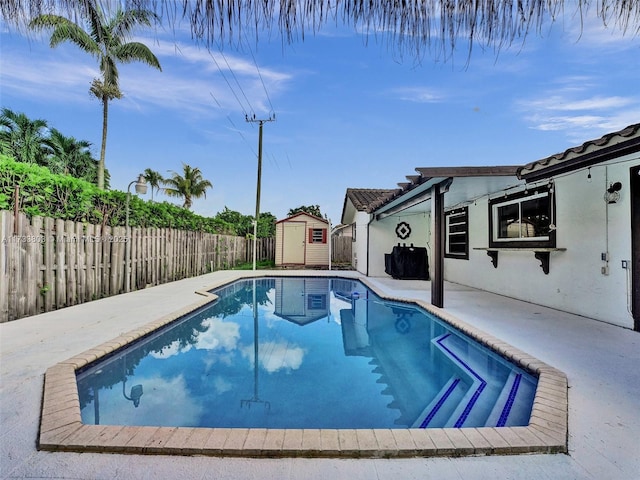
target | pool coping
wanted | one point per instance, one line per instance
(61, 427)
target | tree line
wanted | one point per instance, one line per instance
(33, 141)
(37, 191)
(57, 174)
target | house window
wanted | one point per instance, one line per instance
(317, 302)
(523, 220)
(317, 235)
(457, 231)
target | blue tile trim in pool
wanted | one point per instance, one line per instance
(512, 396)
(469, 407)
(438, 405)
(476, 394)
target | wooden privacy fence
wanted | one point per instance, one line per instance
(46, 264)
(341, 249)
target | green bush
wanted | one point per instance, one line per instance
(43, 193)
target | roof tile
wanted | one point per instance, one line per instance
(366, 199)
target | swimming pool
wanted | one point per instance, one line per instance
(306, 353)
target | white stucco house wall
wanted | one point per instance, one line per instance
(563, 231)
(359, 203)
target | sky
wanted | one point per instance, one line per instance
(350, 110)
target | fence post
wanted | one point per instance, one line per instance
(6, 230)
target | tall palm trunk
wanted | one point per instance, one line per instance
(103, 148)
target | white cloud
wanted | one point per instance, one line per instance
(217, 81)
(220, 335)
(275, 356)
(203, 91)
(157, 404)
(568, 122)
(54, 78)
(592, 103)
(170, 350)
(573, 105)
(222, 385)
(417, 94)
(593, 32)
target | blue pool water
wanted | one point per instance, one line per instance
(306, 353)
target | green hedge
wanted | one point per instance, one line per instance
(43, 193)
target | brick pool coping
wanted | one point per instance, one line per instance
(61, 427)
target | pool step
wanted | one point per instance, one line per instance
(499, 416)
(508, 411)
(468, 412)
(486, 402)
(437, 412)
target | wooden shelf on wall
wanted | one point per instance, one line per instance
(542, 254)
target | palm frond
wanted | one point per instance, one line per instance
(126, 20)
(408, 25)
(136, 52)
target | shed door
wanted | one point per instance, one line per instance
(293, 236)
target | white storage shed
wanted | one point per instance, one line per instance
(302, 240)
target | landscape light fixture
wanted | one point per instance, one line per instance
(134, 396)
(141, 188)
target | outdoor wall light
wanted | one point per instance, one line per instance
(614, 187)
(612, 195)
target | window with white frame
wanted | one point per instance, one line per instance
(523, 220)
(457, 231)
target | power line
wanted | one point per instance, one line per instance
(236, 79)
(235, 128)
(274, 161)
(229, 85)
(259, 73)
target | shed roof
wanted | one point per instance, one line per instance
(609, 146)
(303, 213)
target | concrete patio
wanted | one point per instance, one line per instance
(599, 360)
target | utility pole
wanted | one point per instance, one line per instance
(260, 123)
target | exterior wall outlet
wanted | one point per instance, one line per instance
(604, 270)
(625, 264)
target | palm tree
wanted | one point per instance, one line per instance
(189, 186)
(71, 156)
(154, 179)
(105, 39)
(22, 138)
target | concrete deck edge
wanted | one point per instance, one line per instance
(61, 428)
